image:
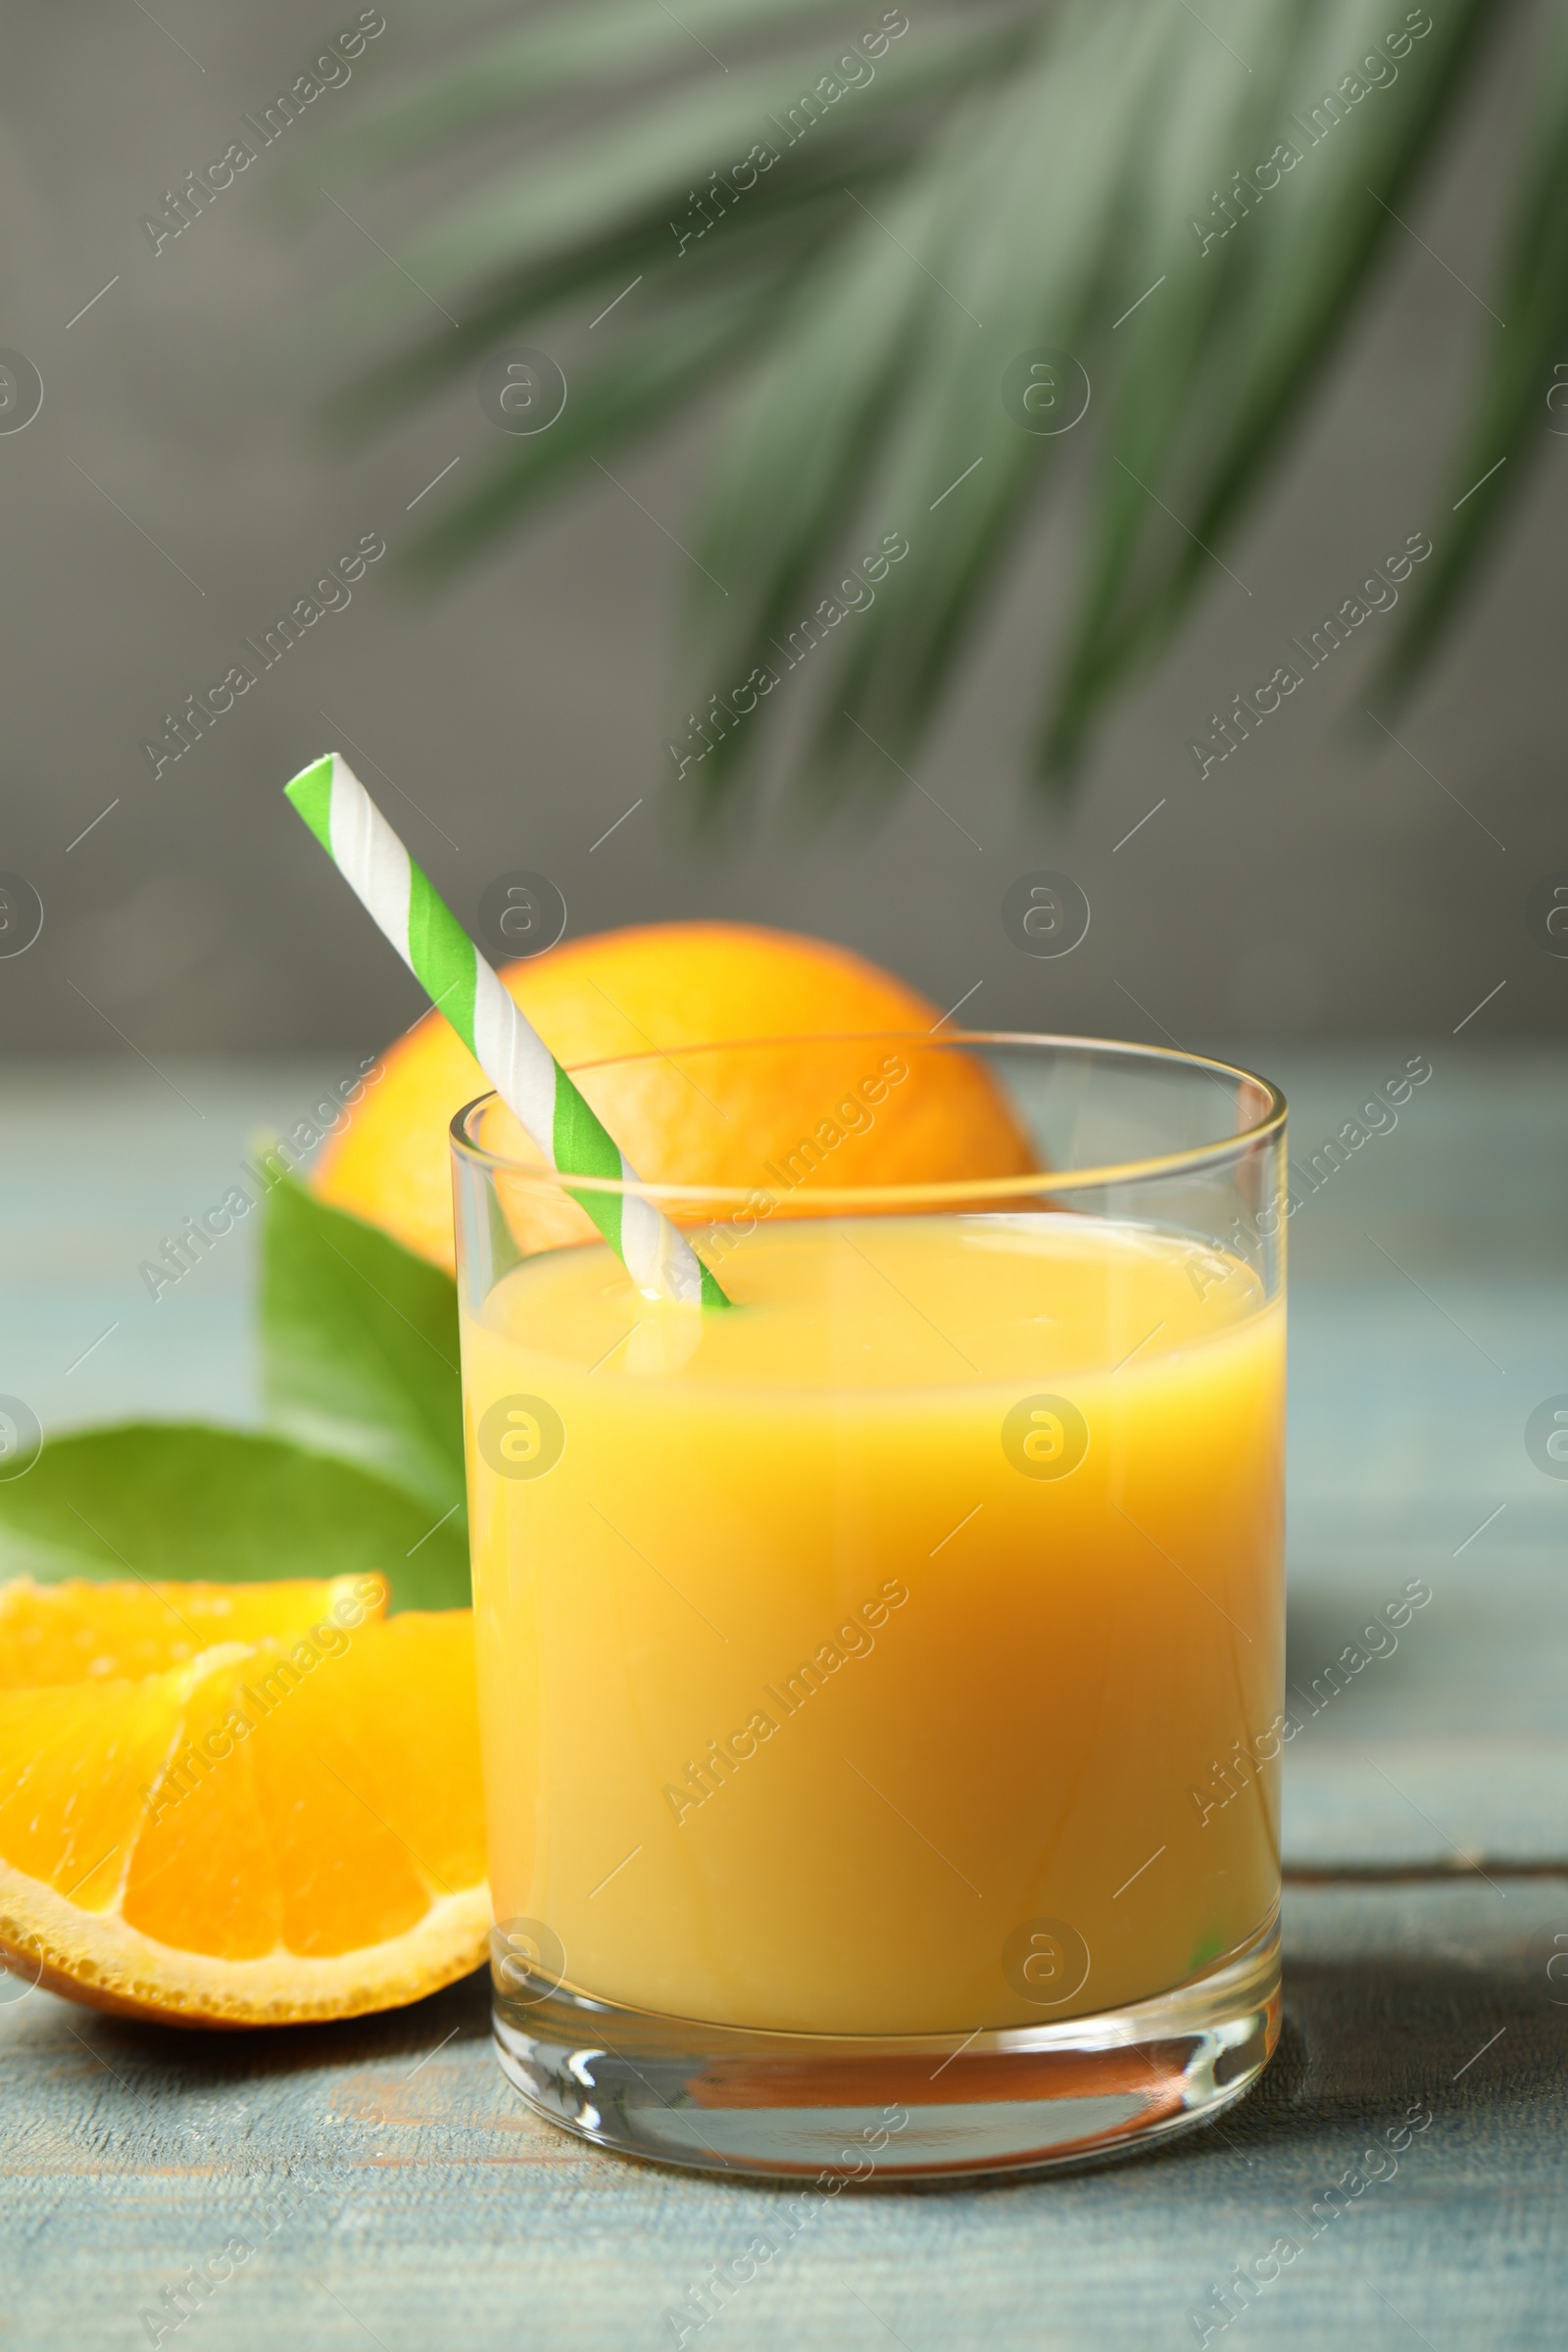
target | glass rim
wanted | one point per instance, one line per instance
(1001, 1190)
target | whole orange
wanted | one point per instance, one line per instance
(650, 991)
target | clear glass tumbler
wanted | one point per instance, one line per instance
(881, 1680)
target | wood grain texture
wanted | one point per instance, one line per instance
(417, 2204)
(430, 2209)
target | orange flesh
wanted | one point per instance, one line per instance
(301, 1807)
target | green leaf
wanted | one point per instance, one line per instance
(609, 404)
(1220, 369)
(564, 289)
(360, 1349)
(1065, 137)
(904, 347)
(1523, 369)
(639, 171)
(547, 62)
(1041, 165)
(178, 1500)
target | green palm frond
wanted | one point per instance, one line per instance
(858, 223)
(1522, 390)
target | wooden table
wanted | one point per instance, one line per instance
(393, 2189)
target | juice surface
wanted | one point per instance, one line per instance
(849, 1661)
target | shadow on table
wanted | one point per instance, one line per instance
(1365, 2041)
(214, 2058)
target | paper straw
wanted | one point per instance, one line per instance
(512, 1055)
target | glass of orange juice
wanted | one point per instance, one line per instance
(881, 1678)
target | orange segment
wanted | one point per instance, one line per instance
(80, 1632)
(425, 1791)
(657, 989)
(72, 1762)
(203, 1873)
(280, 1827)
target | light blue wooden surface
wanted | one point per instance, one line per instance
(1430, 1315)
(432, 2210)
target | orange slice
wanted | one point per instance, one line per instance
(79, 1632)
(238, 1805)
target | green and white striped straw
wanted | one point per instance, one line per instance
(512, 1055)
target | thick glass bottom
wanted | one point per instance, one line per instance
(729, 2099)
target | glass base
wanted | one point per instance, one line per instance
(1014, 2098)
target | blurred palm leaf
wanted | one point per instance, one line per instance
(927, 201)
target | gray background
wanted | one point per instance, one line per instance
(1314, 885)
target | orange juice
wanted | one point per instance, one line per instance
(850, 1661)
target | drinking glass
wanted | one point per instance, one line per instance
(881, 1678)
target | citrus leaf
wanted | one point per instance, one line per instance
(360, 1349)
(180, 1499)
